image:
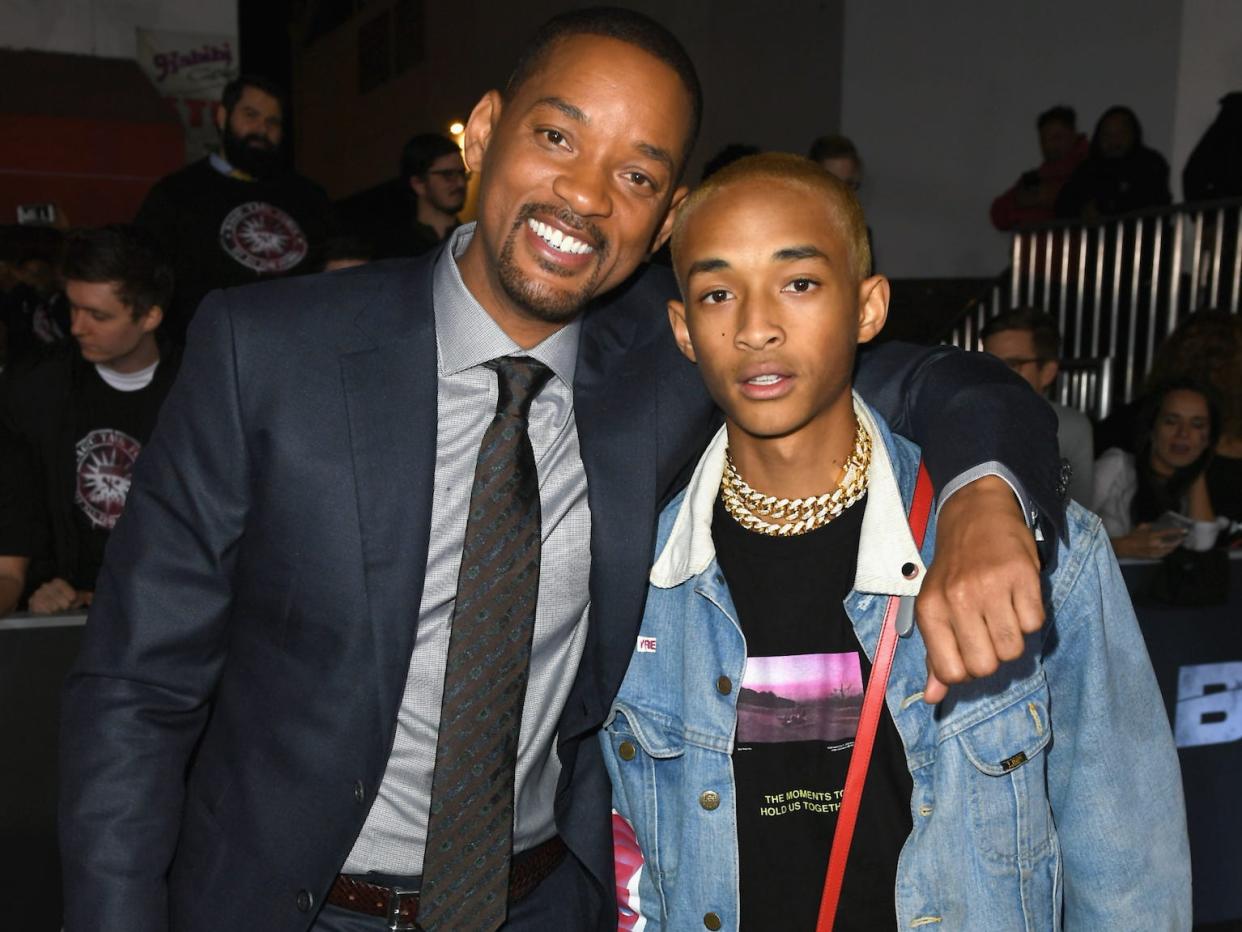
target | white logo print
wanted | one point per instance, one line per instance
(263, 237)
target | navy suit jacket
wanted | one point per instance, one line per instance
(231, 714)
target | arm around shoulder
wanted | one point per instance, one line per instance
(154, 646)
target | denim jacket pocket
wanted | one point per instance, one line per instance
(659, 735)
(1007, 795)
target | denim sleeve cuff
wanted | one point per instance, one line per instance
(992, 468)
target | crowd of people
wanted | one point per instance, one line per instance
(393, 629)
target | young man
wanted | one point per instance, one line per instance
(1028, 342)
(86, 413)
(432, 169)
(253, 729)
(1015, 804)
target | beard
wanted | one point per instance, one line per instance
(541, 301)
(252, 154)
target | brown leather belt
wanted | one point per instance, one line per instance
(400, 907)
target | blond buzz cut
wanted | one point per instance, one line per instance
(791, 170)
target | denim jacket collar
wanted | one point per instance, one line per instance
(885, 545)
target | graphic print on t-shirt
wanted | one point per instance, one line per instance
(263, 237)
(804, 697)
(105, 465)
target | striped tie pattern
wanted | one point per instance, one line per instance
(470, 825)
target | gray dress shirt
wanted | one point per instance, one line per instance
(395, 831)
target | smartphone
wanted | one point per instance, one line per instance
(1172, 521)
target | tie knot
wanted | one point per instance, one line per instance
(520, 379)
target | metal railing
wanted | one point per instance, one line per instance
(1118, 288)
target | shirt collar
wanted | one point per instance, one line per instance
(885, 543)
(222, 165)
(467, 336)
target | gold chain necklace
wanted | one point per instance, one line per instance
(749, 508)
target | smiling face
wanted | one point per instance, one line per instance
(1181, 432)
(579, 167)
(773, 310)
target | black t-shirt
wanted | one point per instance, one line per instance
(798, 710)
(110, 430)
(221, 231)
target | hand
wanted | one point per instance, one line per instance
(56, 595)
(1148, 543)
(982, 592)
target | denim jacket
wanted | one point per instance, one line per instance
(1046, 796)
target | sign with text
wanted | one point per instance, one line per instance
(190, 71)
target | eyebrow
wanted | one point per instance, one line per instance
(788, 254)
(706, 265)
(792, 253)
(563, 105)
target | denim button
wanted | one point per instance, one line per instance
(626, 750)
(712, 921)
(724, 685)
(709, 800)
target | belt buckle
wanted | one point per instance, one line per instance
(395, 922)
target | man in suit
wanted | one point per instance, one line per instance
(253, 727)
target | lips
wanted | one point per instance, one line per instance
(764, 381)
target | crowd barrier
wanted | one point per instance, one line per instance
(1196, 653)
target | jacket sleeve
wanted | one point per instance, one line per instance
(139, 696)
(1114, 782)
(967, 410)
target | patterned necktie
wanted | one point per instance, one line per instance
(470, 825)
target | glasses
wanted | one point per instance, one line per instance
(451, 174)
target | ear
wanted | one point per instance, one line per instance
(1048, 374)
(666, 228)
(681, 333)
(222, 117)
(418, 186)
(873, 294)
(483, 121)
(151, 319)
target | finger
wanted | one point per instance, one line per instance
(1028, 603)
(944, 661)
(934, 691)
(1006, 634)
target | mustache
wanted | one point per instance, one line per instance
(257, 141)
(568, 219)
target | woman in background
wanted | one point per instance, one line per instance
(1179, 428)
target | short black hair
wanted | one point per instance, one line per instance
(1058, 114)
(123, 256)
(1040, 325)
(833, 147)
(421, 151)
(627, 26)
(234, 89)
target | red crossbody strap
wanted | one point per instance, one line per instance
(868, 721)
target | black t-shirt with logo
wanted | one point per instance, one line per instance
(221, 231)
(798, 709)
(110, 430)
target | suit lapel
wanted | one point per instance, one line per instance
(615, 408)
(390, 395)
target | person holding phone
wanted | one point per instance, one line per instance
(1139, 495)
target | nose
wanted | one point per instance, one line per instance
(584, 188)
(77, 324)
(757, 327)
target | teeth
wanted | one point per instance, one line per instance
(562, 242)
(764, 379)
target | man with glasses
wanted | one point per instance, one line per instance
(431, 167)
